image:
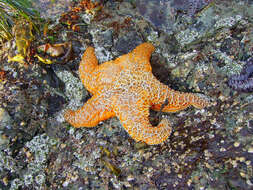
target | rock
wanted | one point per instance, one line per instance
(74, 89)
(3, 141)
(5, 118)
(128, 42)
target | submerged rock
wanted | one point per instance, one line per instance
(36, 152)
(51, 9)
(158, 13)
(162, 13)
(5, 118)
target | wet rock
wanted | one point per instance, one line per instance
(52, 9)
(128, 42)
(74, 89)
(55, 104)
(195, 32)
(4, 141)
(87, 162)
(162, 14)
(103, 40)
(189, 6)
(159, 13)
(206, 25)
(230, 66)
(5, 119)
(8, 163)
(51, 79)
(36, 151)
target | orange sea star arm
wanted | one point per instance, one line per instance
(143, 51)
(140, 56)
(96, 109)
(87, 65)
(133, 114)
(175, 100)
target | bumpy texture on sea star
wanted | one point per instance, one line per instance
(126, 88)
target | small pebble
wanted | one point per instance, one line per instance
(130, 178)
(63, 146)
(250, 150)
(242, 159)
(5, 181)
(249, 182)
(236, 144)
(248, 162)
(243, 174)
(28, 154)
(189, 182)
(22, 124)
(176, 133)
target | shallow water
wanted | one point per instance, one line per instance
(159, 13)
(51, 8)
(162, 14)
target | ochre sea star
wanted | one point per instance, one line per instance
(126, 88)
